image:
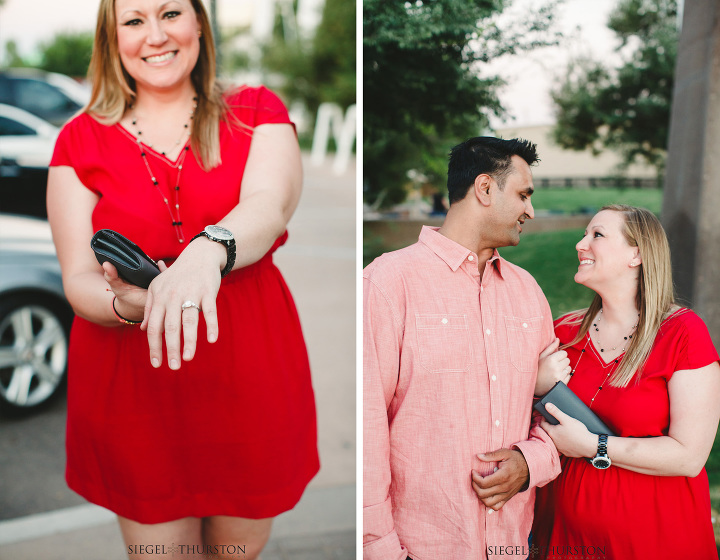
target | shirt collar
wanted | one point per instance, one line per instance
(451, 252)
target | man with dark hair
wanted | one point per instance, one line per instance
(452, 336)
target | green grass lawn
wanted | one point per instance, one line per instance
(577, 200)
(551, 258)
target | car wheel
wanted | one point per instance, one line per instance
(34, 334)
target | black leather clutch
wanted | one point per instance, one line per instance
(567, 401)
(132, 264)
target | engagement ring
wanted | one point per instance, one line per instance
(188, 304)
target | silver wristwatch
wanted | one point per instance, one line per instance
(225, 237)
(601, 459)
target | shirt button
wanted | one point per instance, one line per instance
(524, 325)
(490, 511)
(495, 469)
(494, 378)
(497, 423)
(488, 331)
(471, 258)
(444, 321)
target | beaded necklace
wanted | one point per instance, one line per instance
(174, 216)
(597, 330)
(613, 363)
(607, 376)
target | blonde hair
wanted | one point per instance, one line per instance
(654, 299)
(113, 89)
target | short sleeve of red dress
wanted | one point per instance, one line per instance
(693, 346)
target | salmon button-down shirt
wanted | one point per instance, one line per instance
(450, 362)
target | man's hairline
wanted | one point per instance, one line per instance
(504, 174)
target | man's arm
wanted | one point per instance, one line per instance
(539, 450)
(528, 463)
(382, 340)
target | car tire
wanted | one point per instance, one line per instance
(34, 337)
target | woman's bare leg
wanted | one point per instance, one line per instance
(241, 538)
(174, 540)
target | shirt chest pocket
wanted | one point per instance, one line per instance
(443, 342)
(523, 337)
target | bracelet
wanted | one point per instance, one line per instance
(121, 318)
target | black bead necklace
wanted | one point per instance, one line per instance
(614, 362)
(626, 339)
(174, 216)
(607, 376)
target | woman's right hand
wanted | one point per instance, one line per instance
(553, 366)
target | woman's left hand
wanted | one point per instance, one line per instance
(570, 436)
(193, 277)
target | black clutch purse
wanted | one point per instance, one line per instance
(567, 401)
(132, 264)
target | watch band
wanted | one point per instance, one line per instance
(602, 444)
(601, 459)
(224, 237)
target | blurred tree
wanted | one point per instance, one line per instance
(625, 109)
(423, 88)
(67, 53)
(322, 69)
(13, 59)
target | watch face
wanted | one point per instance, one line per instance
(219, 232)
(601, 462)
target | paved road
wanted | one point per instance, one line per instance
(41, 518)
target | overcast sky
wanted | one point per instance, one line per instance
(29, 22)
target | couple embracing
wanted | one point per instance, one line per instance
(459, 344)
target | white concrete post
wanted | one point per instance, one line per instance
(330, 119)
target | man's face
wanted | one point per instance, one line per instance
(512, 206)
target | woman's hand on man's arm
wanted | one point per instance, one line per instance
(553, 366)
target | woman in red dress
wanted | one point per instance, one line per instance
(190, 406)
(649, 370)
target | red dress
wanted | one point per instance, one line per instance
(617, 514)
(233, 432)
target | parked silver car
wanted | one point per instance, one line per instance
(50, 96)
(26, 146)
(35, 317)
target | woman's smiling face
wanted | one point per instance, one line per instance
(605, 255)
(158, 41)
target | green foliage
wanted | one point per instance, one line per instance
(713, 463)
(67, 53)
(332, 61)
(423, 87)
(322, 69)
(626, 109)
(13, 59)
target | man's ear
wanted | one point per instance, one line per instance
(482, 186)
